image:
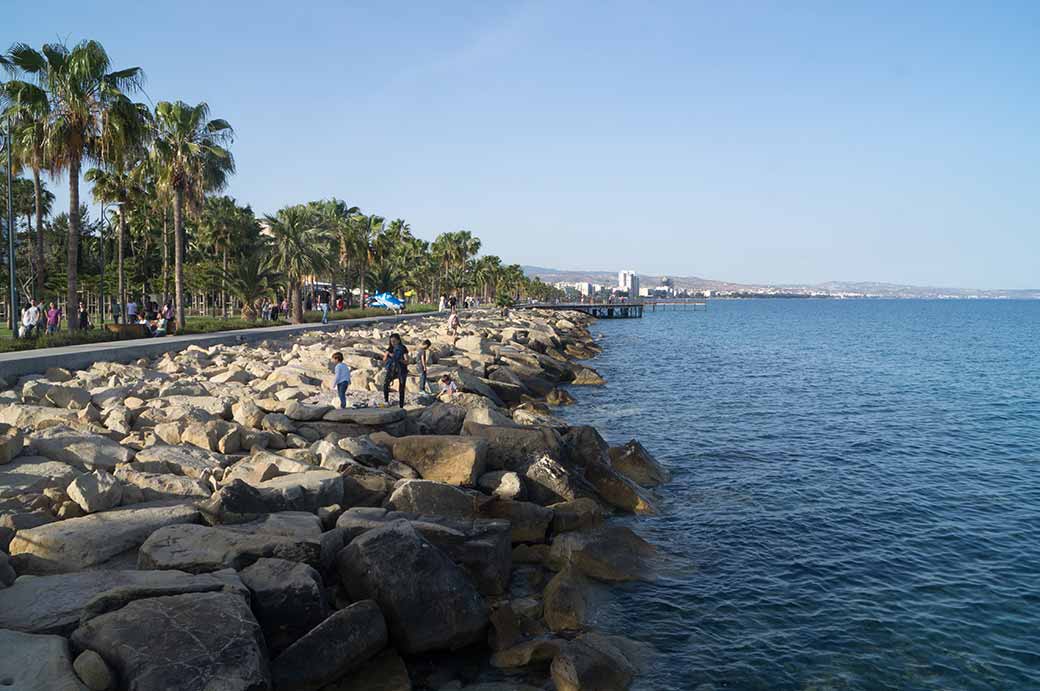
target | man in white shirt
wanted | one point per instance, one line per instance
(30, 319)
(131, 312)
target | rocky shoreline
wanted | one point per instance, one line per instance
(208, 520)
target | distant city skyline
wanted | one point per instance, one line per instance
(767, 144)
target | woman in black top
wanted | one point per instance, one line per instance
(395, 359)
(84, 317)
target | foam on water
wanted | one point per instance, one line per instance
(855, 503)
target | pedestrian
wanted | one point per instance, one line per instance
(30, 315)
(341, 378)
(131, 312)
(448, 388)
(395, 361)
(453, 326)
(422, 359)
(453, 302)
(323, 305)
(53, 319)
(84, 317)
(442, 303)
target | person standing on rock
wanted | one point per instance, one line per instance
(341, 378)
(395, 360)
(423, 361)
(453, 326)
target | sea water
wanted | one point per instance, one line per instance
(856, 492)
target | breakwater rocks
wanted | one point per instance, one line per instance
(209, 520)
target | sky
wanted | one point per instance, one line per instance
(758, 142)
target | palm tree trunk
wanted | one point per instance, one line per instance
(40, 268)
(364, 270)
(296, 300)
(72, 268)
(165, 256)
(223, 287)
(121, 240)
(178, 254)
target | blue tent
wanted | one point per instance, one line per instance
(386, 301)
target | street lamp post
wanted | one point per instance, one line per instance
(12, 318)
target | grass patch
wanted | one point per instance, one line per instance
(205, 325)
(360, 313)
(58, 340)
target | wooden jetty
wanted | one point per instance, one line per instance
(664, 304)
(600, 310)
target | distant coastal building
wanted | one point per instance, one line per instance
(628, 282)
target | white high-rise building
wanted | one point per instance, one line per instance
(629, 282)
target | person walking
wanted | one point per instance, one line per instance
(323, 305)
(131, 312)
(422, 360)
(341, 378)
(442, 302)
(395, 361)
(30, 316)
(453, 302)
(53, 319)
(84, 317)
(453, 326)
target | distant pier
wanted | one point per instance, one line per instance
(665, 304)
(604, 310)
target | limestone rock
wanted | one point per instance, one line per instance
(576, 515)
(162, 486)
(293, 536)
(306, 413)
(55, 604)
(371, 417)
(80, 449)
(366, 451)
(34, 474)
(428, 601)
(93, 671)
(97, 491)
(385, 672)
(513, 448)
(277, 422)
(488, 417)
(549, 482)
(617, 490)
(36, 663)
(287, 598)
(183, 460)
(565, 601)
(451, 460)
(528, 521)
(635, 462)
(442, 419)
(248, 414)
(434, 498)
(586, 376)
(181, 643)
(78, 543)
(607, 553)
(11, 443)
(527, 652)
(581, 667)
(334, 648)
(504, 484)
(7, 574)
(72, 397)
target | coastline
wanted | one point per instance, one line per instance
(500, 509)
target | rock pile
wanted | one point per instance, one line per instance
(210, 519)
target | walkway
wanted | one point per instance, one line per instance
(13, 365)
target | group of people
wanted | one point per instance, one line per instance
(451, 303)
(37, 321)
(395, 363)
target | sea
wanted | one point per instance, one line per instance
(856, 492)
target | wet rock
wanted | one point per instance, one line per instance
(293, 536)
(334, 648)
(97, 491)
(428, 601)
(181, 643)
(287, 599)
(527, 652)
(78, 543)
(93, 671)
(560, 397)
(586, 376)
(617, 490)
(36, 663)
(607, 553)
(451, 460)
(565, 601)
(581, 666)
(635, 462)
(576, 515)
(80, 449)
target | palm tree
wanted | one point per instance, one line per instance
(191, 158)
(30, 108)
(221, 223)
(252, 278)
(115, 186)
(298, 240)
(368, 229)
(89, 117)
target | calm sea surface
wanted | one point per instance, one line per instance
(856, 493)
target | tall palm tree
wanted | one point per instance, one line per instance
(90, 115)
(191, 158)
(30, 108)
(335, 216)
(368, 229)
(221, 224)
(298, 241)
(117, 186)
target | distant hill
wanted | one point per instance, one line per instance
(834, 288)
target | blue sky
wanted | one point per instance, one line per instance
(772, 142)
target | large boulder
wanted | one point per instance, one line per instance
(606, 552)
(617, 490)
(548, 482)
(426, 497)
(592, 662)
(74, 397)
(97, 491)
(78, 543)
(305, 413)
(334, 648)
(442, 418)
(33, 474)
(37, 416)
(504, 484)
(11, 443)
(636, 463)
(287, 598)
(162, 486)
(565, 601)
(451, 460)
(428, 601)
(36, 663)
(513, 448)
(528, 521)
(364, 450)
(181, 643)
(293, 536)
(55, 604)
(80, 449)
(183, 460)
(369, 417)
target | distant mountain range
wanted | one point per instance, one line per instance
(831, 288)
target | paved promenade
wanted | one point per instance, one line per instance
(82, 356)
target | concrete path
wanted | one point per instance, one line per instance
(82, 356)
